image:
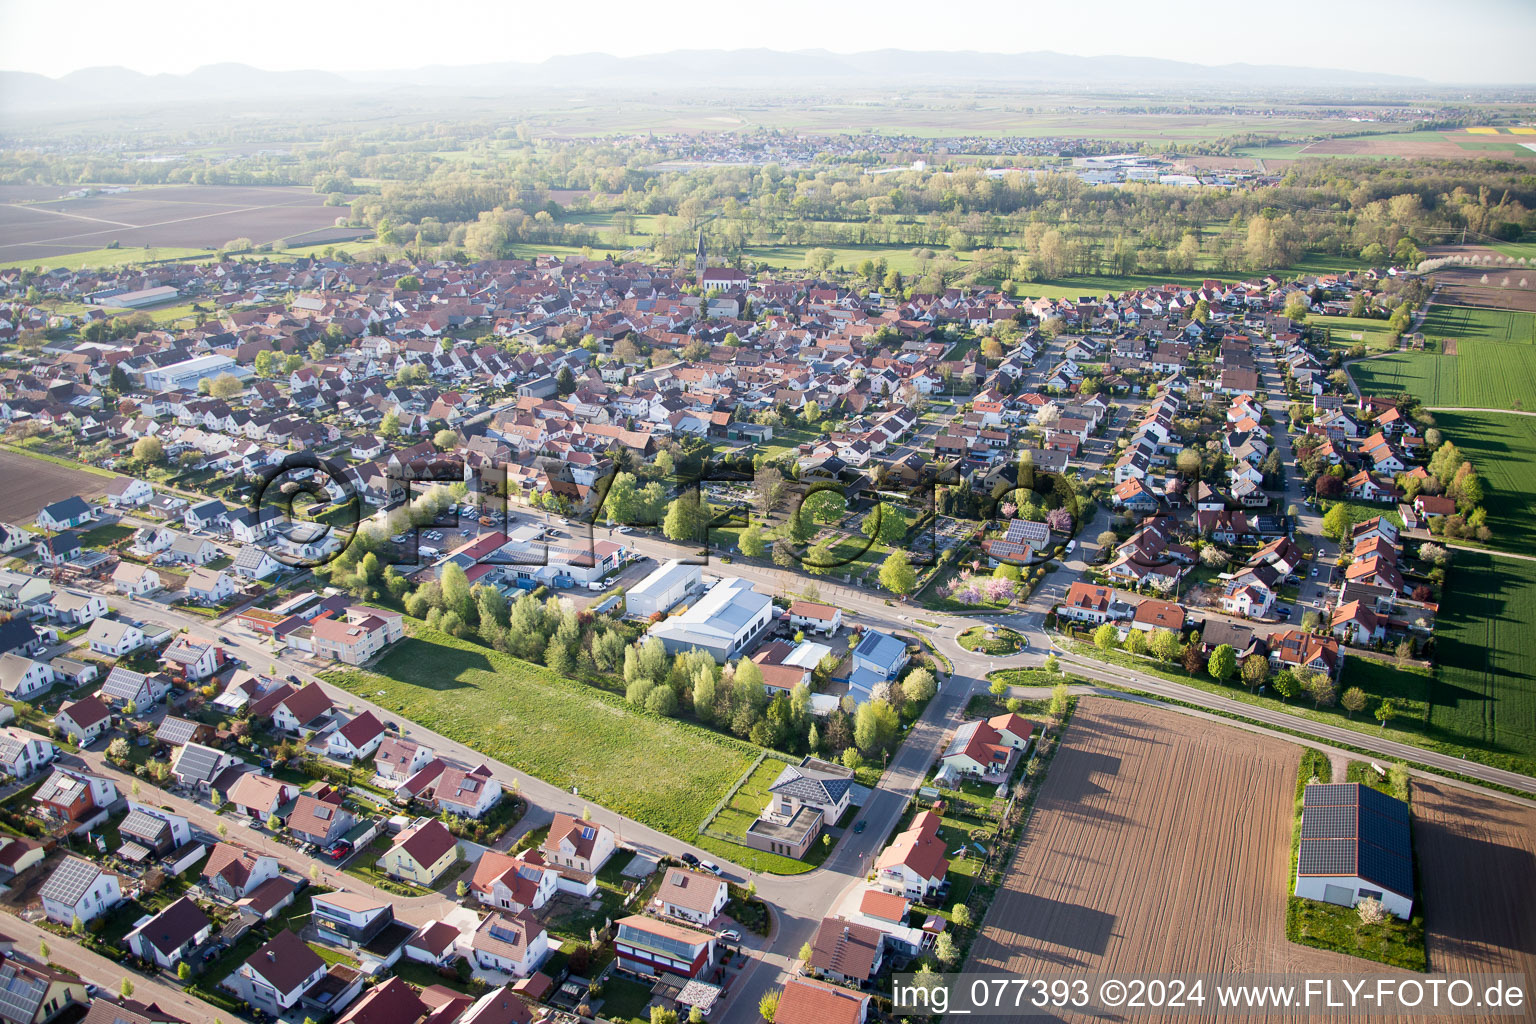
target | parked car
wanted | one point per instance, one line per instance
(690, 860)
(294, 679)
(339, 851)
(729, 933)
(621, 529)
(224, 639)
(858, 826)
(711, 867)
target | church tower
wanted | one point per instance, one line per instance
(700, 258)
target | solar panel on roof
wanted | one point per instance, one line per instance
(1328, 822)
(1386, 868)
(1326, 857)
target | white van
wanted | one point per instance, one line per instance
(1071, 546)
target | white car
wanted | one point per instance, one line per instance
(729, 933)
(621, 529)
(711, 867)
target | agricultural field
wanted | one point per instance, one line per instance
(172, 220)
(1479, 855)
(1503, 448)
(1459, 144)
(1485, 692)
(663, 773)
(1218, 850)
(31, 483)
(1475, 358)
(1490, 285)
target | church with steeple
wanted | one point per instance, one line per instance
(700, 260)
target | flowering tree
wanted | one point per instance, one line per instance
(1059, 520)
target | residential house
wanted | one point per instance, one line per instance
(319, 817)
(986, 748)
(32, 994)
(421, 853)
(135, 580)
(847, 952)
(513, 883)
(822, 618)
(85, 721)
(75, 608)
(210, 586)
(468, 794)
(22, 678)
(355, 739)
(514, 945)
(235, 873)
(697, 897)
(914, 864)
(23, 754)
(278, 974)
(171, 936)
(111, 637)
(64, 515)
(807, 1001)
(78, 889)
(260, 796)
(398, 759)
(124, 687)
(360, 635)
(192, 660)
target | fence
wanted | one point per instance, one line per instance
(730, 794)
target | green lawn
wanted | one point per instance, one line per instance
(995, 641)
(105, 535)
(659, 771)
(1477, 323)
(1347, 331)
(1503, 448)
(106, 258)
(737, 817)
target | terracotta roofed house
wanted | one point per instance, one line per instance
(845, 951)
(806, 1001)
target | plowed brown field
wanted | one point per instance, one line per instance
(1161, 845)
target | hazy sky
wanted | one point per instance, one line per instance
(1468, 41)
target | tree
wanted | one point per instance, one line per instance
(1296, 306)
(874, 726)
(998, 687)
(825, 506)
(1165, 645)
(183, 970)
(961, 915)
(148, 450)
(1106, 637)
(43, 951)
(117, 750)
(126, 988)
(445, 439)
(663, 1015)
(684, 518)
(1324, 689)
(1353, 700)
(1136, 641)
(1371, 911)
(1061, 698)
(1336, 522)
(1107, 539)
(897, 574)
(1385, 712)
(768, 1006)
(885, 524)
(768, 488)
(751, 542)
(805, 952)
(1255, 671)
(944, 949)
(1188, 463)
(1223, 663)
(226, 386)
(1287, 685)
(274, 823)
(919, 686)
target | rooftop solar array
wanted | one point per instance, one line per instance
(1349, 829)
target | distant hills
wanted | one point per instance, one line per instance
(679, 69)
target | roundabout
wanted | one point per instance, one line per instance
(993, 641)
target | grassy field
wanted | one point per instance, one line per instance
(1347, 331)
(105, 258)
(1503, 448)
(663, 773)
(1477, 358)
(1485, 692)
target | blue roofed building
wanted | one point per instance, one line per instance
(878, 658)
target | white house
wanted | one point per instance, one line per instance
(22, 678)
(210, 586)
(135, 579)
(255, 564)
(109, 636)
(85, 721)
(172, 935)
(79, 889)
(356, 739)
(914, 864)
(823, 618)
(694, 896)
(23, 753)
(65, 514)
(1354, 845)
(277, 974)
(513, 945)
(468, 794)
(130, 492)
(13, 537)
(194, 660)
(77, 608)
